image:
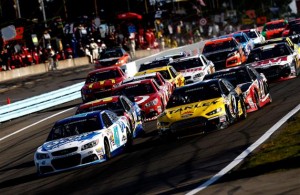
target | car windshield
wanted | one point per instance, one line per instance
(235, 77)
(111, 54)
(154, 64)
(165, 74)
(251, 34)
(240, 39)
(274, 26)
(74, 127)
(189, 95)
(115, 107)
(263, 54)
(101, 76)
(135, 90)
(186, 64)
(219, 46)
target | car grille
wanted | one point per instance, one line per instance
(66, 162)
(64, 152)
(189, 123)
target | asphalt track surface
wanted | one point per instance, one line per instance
(151, 167)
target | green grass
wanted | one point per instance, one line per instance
(282, 146)
(280, 152)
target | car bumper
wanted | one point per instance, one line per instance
(71, 161)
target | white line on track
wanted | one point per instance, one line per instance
(245, 153)
(23, 129)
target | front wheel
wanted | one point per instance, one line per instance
(107, 150)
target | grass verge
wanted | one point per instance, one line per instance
(281, 152)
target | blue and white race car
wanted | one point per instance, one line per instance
(81, 140)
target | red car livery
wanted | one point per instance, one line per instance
(253, 85)
(276, 61)
(165, 85)
(274, 29)
(146, 93)
(99, 83)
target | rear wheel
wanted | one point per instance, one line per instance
(107, 150)
(257, 101)
(244, 109)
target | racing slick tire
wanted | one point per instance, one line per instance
(267, 91)
(244, 109)
(256, 98)
(107, 150)
(129, 142)
(232, 111)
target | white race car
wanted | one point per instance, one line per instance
(193, 68)
(277, 61)
(81, 140)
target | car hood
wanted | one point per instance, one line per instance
(140, 100)
(191, 71)
(220, 51)
(272, 61)
(69, 142)
(109, 59)
(194, 109)
(104, 83)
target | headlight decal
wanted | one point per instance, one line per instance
(89, 145)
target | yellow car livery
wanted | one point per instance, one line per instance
(169, 73)
(201, 106)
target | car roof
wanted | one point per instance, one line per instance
(100, 101)
(104, 69)
(218, 39)
(197, 84)
(79, 117)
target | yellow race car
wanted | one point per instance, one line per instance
(169, 73)
(202, 106)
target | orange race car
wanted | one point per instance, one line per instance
(224, 52)
(113, 57)
(274, 29)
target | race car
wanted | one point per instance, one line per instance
(120, 105)
(82, 140)
(247, 43)
(169, 73)
(165, 85)
(274, 29)
(254, 35)
(193, 68)
(100, 82)
(113, 57)
(162, 61)
(147, 94)
(276, 61)
(224, 52)
(202, 106)
(253, 85)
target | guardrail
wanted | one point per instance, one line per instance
(41, 102)
(54, 98)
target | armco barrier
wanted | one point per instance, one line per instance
(44, 101)
(37, 103)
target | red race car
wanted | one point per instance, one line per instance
(146, 93)
(165, 85)
(274, 29)
(253, 85)
(99, 83)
